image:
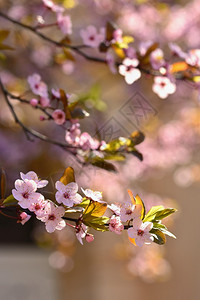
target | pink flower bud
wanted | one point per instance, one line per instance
(89, 238)
(42, 118)
(23, 218)
(34, 102)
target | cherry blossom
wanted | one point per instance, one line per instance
(157, 59)
(23, 218)
(33, 176)
(81, 232)
(130, 211)
(163, 86)
(38, 206)
(89, 237)
(93, 195)
(117, 36)
(54, 7)
(176, 50)
(59, 116)
(25, 192)
(37, 86)
(91, 37)
(140, 232)
(53, 217)
(87, 142)
(193, 58)
(44, 101)
(116, 225)
(64, 23)
(111, 62)
(72, 135)
(115, 208)
(129, 71)
(67, 194)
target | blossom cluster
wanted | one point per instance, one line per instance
(93, 210)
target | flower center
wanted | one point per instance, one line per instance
(163, 84)
(91, 38)
(140, 232)
(37, 206)
(128, 211)
(52, 217)
(66, 195)
(129, 68)
(25, 195)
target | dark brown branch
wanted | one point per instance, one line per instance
(76, 49)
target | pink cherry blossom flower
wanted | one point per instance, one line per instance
(34, 102)
(91, 37)
(33, 176)
(157, 59)
(115, 208)
(140, 232)
(52, 217)
(93, 195)
(59, 116)
(64, 23)
(81, 232)
(163, 86)
(130, 211)
(67, 194)
(87, 142)
(38, 207)
(25, 192)
(193, 58)
(129, 71)
(116, 225)
(117, 36)
(23, 218)
(44, 101)
(55, 93)
(176, 50)
(55, 8)
(72, 136)
(37, 86)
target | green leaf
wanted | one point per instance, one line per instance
(164, 213)
(115, 156)
(85, 202)
(98, 223)
(159, 237)
(163, 228)
(95, 209)
(101, 163)
(68, 176)
(150, 216)
(10, 201)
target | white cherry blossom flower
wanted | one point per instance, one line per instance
(38, 87)
(93, 195)
(130, 211)
(64, 23)
(33, 176)
(116, 225)
(23, 218)
(129, 71)
(163, 86)
(67, 194)
(25, 192)
(81, 232)
(140, 232)
(53, 217)
(38, 206)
